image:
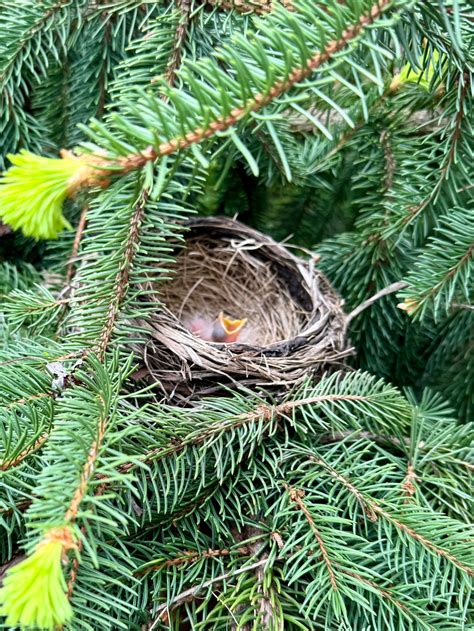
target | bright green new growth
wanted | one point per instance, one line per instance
(33, 593)
(32, 193)
(423, 77)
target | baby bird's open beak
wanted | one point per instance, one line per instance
(227, 329)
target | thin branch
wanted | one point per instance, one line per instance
(180, 35)
(75, 246)
(32, 397)
(296, 496)
(254, 104)
(123, 275)
(190, 556)
(455, 305)
(31, 448)
(190, 593)
(390, 289)
(89, 465)
(384, 593)
(374, 511)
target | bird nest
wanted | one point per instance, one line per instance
(239, 308)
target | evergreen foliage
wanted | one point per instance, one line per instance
(343, 127)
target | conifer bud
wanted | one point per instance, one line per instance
(33, 593)
(410, 75)
(34, 188)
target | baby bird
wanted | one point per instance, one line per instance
(223, 329)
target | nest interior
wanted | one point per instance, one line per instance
(212, 275)
(295, 324)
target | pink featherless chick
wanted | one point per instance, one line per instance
(201, 326)
(223, 329)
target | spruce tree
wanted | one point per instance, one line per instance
(344, 128)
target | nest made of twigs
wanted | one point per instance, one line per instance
(295, 324)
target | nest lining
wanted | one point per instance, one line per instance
(295, 321)
(214, 275)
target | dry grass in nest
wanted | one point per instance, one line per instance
(295, 324)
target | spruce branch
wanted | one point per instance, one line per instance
(192, 592)
(455, 137)
(180, 35)
(296, 496)
(99, 167)
(123, 275)
(36, 444)
(45, 12)
(442, 272)
(76, 244)
(260, 100)
(374, 511)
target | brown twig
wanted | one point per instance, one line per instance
(190, 556)
(242, 6)
(408, 484)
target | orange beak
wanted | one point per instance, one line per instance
(231, 327)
